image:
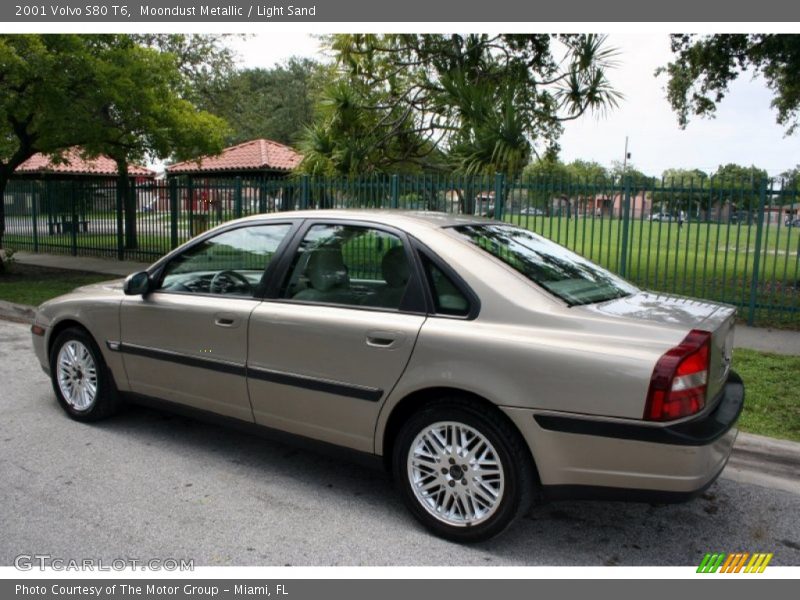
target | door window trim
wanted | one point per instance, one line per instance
(414, 301)
(157, 271)
(473, 301)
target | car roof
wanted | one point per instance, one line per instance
(399, 218)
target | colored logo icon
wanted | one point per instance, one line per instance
(739, 562)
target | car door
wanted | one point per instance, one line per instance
(337, 333)
(186, 340)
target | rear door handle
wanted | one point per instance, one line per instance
(225, 320)
(384, 339)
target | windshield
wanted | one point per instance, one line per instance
(560, 271)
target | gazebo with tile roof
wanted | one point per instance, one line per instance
(242, 179)
(66, 191)
(74, 165)
(256, 158)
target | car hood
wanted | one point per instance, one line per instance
(113, 285)
(100, 290)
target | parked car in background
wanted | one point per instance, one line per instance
(792, 222)
(532, 211)
(663, 217)
(486, 366)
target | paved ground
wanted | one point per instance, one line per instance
(150, 485)
(780, 341)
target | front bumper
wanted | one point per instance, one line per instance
(584, 456)
(39, 340)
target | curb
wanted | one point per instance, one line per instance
(764, 461)
(21, 313)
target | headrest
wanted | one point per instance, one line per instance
(326, 269)
(394, 267)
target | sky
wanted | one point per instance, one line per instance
(744, 130)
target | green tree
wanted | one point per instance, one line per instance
(790, 186)
(635, 177)
(790, 179)
(547, 168)
(277, 103)
(588, 171)
(108, 94)
(705, 65)
(682, 190)
(739, 185)
(342, 139)
(739, 176)
(474, 103)
(204, 60)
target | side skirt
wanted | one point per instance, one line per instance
(372, 461)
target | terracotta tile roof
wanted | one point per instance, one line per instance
(255, 155)
(76, 165)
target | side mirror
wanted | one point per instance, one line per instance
(137, 284)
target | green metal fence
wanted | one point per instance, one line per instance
(733, 241)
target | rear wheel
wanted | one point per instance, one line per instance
(463, 471)
(81, 380)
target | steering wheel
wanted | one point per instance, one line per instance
(227, 281)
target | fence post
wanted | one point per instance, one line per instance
(190, 194)
(626, 219)
(395, 191)
(173, 212)
(74, 216)
(304, 192)
(237, 198)
(262, 196)
(120, 232)
(35, 215)
(762, 199)
(499, 196)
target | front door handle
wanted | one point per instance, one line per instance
(384, 339)
(225, 320)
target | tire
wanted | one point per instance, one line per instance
(509, 473)
(76, 368)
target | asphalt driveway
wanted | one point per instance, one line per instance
(147, 484)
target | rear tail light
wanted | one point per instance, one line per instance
(680, 379)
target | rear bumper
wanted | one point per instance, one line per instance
(586, 457)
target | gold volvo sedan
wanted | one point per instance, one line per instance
(485, 365)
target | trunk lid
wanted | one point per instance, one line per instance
(684, 314)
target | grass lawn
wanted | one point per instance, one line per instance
(700, 259)
(772, 393)
(28, 284)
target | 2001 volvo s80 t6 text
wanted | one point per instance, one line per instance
(486, 365)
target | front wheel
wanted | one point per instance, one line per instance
(81, 380)
(463, 470)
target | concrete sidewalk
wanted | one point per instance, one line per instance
(779, 341)
(81, 263)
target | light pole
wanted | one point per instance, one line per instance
(625, 158)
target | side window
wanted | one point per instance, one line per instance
(447, 298)
(231, 263)
(344, 264)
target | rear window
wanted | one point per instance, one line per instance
(558, 270)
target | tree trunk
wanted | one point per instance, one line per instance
(128, 204)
